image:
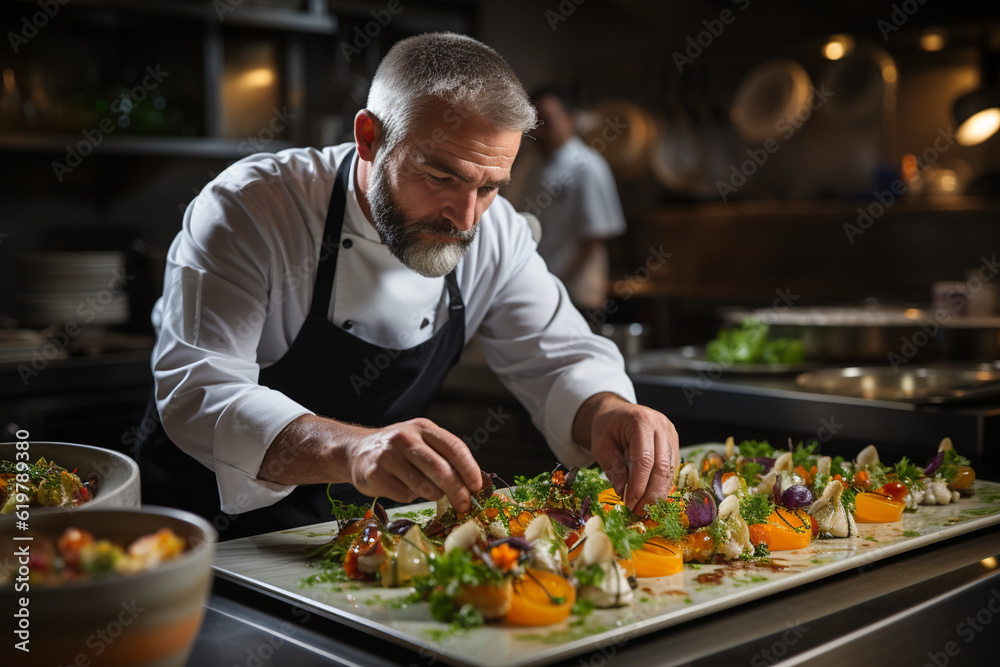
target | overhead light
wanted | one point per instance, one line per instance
(978, 117)
(257, 78)
(977, 113)
(837, 46)
(932, 40)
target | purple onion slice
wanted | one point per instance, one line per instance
(934, 464)
(717, 486)
(796, 497)
(516, 542)
(585, 509)
(766, 461)
(566, 517)
(701, 509)
(399, 526)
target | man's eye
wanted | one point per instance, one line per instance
(440, 180)
(487, 189)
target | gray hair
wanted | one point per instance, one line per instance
(450, 67)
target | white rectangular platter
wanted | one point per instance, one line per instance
(276, 563)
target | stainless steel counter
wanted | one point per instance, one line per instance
(936, 603)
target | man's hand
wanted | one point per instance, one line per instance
(403, 462)
(636, 446)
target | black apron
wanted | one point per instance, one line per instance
(328, 371)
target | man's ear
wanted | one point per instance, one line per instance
(367, 134)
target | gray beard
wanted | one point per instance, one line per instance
(402, 235)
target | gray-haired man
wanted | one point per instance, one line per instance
(315, 300)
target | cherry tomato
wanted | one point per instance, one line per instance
(894, 490)
(71, 542)
(964, 479)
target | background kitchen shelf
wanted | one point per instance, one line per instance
(314, 19)
(207, 147)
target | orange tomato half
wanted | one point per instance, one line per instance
(698, 546)
(876, 508)
(519, 523)
(785, 530)
(609, 497)
(658, 558)
(531, 604)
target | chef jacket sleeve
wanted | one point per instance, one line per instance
(215, 298)
(539, 344)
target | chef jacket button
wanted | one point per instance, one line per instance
(347, 324)
(346, 243)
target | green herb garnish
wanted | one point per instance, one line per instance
(754, 449)
(667, 514)
(756, 507)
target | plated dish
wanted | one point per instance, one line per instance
(110, 478)
(713, 579)
(42, 484)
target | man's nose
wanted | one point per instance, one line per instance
(461, 211)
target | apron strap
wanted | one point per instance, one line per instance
(326, 271)
(456, 307)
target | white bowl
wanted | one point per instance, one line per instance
(117, 474)
(148, 619)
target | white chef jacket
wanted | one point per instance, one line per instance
(237, 288)
(573, 193)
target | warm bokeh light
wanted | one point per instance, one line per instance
(909, 167)
(837, 47)
(990, 562)
(912, 313)
(889, 73)
(932, 40)
(833, 51)
(948, 182)
(979, 127)
(257, 78)
(8, 80)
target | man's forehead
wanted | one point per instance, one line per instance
(447, 133)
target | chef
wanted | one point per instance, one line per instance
(314, 301)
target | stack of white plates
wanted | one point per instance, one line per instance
(88, 288)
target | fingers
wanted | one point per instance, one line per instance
(638, 450)
(437, 478)
(661, 476)
(426, 461)
(617, 471)
(457, 454)
(642, 457)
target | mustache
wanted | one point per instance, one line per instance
(441, 228)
